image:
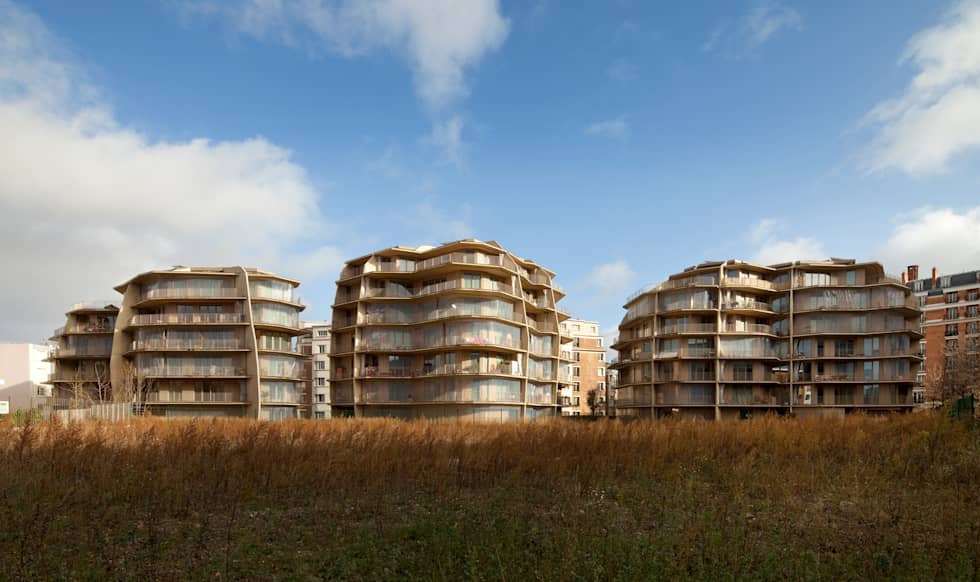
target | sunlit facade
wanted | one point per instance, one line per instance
(465, 331)
(732, 339)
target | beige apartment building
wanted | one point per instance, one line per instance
(732, 339)
(211, 341)
(464, 331)
(950, 322)
(588, 356)
(80, 360)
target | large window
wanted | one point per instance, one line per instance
(271, 289)
(285, 392)
(283, 315)
(278, 366)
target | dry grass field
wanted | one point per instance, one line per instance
(369, 500)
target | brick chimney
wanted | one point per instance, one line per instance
(935, 275)
(913, 272)
(904, 279)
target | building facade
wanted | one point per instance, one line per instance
(210, 341)
(25, 370)
(950, 321)
(731, 339)
(588, 356)
(465, 331)
(316, 346)
(80, 360)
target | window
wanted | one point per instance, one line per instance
(602, 357)
(601, 372)
(971, 311)
(320, 365)
(871, 394)
(600, 385)
(951, 329)
(598, 342)
(321, 398)
(972, 328)
(871, 370)
(577, 356)
(576, 387)
(917, 287)
(951, 313)
(944, 281)
(577, 327)
(844, 347)
(576, 342)
(872, 346)
(852, 277)
(322, 333)
(742, 371)
(323, 349)
(576, 371)
(321, 381)
(972, 295)
(576, 401)
(951, 297)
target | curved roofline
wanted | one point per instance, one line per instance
(426, 251)
(182, 271)
(832, 262)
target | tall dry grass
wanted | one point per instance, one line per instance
(767, 498)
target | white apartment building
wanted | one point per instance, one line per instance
(318, 346)
(24, 374)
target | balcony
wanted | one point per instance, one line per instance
(748, 282)
(193, 371)
(749, 328)
(847, 328)
(690, 328)
(698, 281)
(192, 293)
(434, 315)
(186, 318)
(195, 344)
(688, 306)
(746, 305)
(96, 305)
(351, 271)
(197, 397)
(341, 394)
(82, 352)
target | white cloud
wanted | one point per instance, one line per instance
(772, 248)
(612, 279)
(431, 224)
(934, 237)
(799, 248)
(441, 39)
(448, 136)
(762, 23)
(623, 71)
(766, 19)
(614, 128)
(938, 115)
(764, 229)
(88, 202)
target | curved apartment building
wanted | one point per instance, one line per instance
(730, 339)
(462, 331)
(212, 342)
(81, 360)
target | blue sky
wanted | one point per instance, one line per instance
(613, 142)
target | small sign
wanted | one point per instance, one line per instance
(4, 407)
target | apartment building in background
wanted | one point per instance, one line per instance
(83, 346)
(950, 320)
(25, 370)
(731, 339)
(316, 346)
(465, 331)
(588, 356)
(211, 341)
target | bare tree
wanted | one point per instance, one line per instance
(132, 387)
(959, 376)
